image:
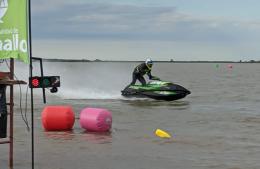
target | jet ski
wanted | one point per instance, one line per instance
(159, 90)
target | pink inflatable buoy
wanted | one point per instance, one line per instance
(230, 66)
(95, 119)
(58, 118)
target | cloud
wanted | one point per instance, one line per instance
(70, 20)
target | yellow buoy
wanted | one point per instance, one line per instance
(162, 134)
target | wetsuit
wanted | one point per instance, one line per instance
(139, 72)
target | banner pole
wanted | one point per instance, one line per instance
(31, 74)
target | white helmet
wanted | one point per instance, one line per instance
(149, 63)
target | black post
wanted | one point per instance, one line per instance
(3, 112)
(43, 89)
(31, 75)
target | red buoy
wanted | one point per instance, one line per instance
(58, 118)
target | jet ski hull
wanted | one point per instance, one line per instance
(159, 91)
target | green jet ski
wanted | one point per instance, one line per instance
(159, 90)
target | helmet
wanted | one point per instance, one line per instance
(149, 63)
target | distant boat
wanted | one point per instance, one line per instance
(3, 8)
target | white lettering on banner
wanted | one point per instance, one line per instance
(23, 46)
(13, 43)
(8, 31)
(8, 45)
(3, 9)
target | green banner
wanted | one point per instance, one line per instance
(13, 30)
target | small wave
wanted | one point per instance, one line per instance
(89, 94)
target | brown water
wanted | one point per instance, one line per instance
(216, 127)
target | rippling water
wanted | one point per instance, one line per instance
(216, 127)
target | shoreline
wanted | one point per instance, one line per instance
(97, 60)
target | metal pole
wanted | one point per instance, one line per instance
(31, 74)
(43, 89)
(11, 145)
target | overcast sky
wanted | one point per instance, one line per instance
(137, 29)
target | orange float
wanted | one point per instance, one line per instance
(58, 118)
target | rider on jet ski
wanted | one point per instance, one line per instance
(141, 70)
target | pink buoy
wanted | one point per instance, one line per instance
(95, 119)
(58, 118)
(230, 66)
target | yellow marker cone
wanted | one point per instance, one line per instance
(162, 134)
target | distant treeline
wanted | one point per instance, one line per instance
(171, 61)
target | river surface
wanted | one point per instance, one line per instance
(217, 126)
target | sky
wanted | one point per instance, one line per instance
(182, 30)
